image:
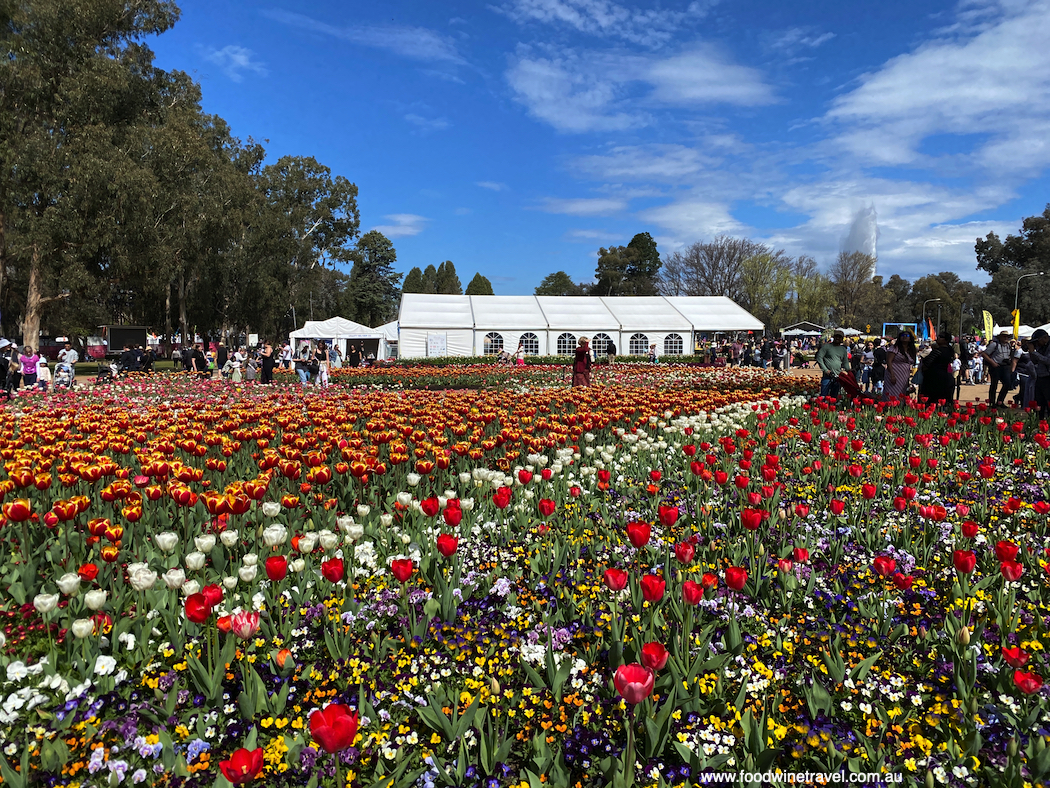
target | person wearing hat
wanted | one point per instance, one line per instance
(1002, 362)
(1039, 353)
(832, 358)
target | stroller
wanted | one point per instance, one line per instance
(63, 377)
(107, 373)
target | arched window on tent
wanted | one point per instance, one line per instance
(493, 343)
(638, 345)
(673, 345)
(566, 344)
(600, 344)
(532, 343)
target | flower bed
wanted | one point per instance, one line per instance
(632, 583)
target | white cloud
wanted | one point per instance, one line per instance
(492, 186)
(995, 82)
(402, 225)
(646, 26)
(797, 39)
(427, 124)
(609, 90)
(588, 235)
(234, 61)
(655, 162)
(415, 43)
(694, 218)
(592, 206)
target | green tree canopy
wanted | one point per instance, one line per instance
(1007, 261)
(628, 270)
(430, 279)
(479, 285)
(560, 284)
(446, 281)
(414, 282)
(372, 295)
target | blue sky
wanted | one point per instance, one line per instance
(515, 137)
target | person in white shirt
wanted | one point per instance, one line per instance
(68, 355)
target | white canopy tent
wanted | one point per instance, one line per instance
(342, 332)
(439, 325)
(1022, 330)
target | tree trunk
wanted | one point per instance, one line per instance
(183, 322)
(167, 315)
(35, 303)
(3, 265)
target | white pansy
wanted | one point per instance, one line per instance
(229, 538)
(195, 561)
(204, 542)
(95, 599)
(166, 541)
(274, 535)
(16, 671)
(104, 665)
(69, 583)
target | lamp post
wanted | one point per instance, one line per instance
(924, 303)
(1017, 287)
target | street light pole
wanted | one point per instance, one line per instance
(924, 303)
(1017, 287)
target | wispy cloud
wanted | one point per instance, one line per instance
(234, 61)
(587, 206)
(796, 39)
(608, 90)
(402, 225)
(654, 162)
(415, 43)
(427, 124)
(646, 26)
(492, 186)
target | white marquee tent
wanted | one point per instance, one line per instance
(342, 332)
(1022, 330)
(444, 325)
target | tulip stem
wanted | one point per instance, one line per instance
(628, 765)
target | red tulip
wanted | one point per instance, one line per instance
(244, 624)
(1028, 683)
(837, 506)
(212, 594)
(197, 608)
(453, 516)
(402, 568)
(332, 570)
(668, 515)
(524, 476)
(18, 510)
(276, 567)
(736, 577)
(501, 498)
(334, 727)
(1016, 657)
(634, 682)
(243, 766)
(801, 511)
(547, 507)
(868, 491)
(964, 561)
(884, 566)
(654, 656)
(615, 579)
(709, 581)
(900, 504)
(639, 533)
(721, 477)
(88, 572)
(800, 554)
(692, 592)
(751, 519)
(903, 582)
(684, 552)
(1006, 551)
(1011, 570)
(653, 588)
(969, 529)
(447, 544)
(430, 506)
(784, 565)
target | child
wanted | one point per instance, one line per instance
(652, 353)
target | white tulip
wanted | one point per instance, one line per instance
(191, 587)
(466, 504)
(174, 578)
(404, 498)
(95, 599)
(329, 541)
(363, 510)
(230, 582)
(298, 565)
(250, 559)
(271, 508)
(195, 561)
(69, 583)
(166, 541)
(307, 543)
(45, 603)
(442, 501)
(386, 519)
(247, 573)
(464, 478)
(344, 522)
(138, 566)
(143, 579)
(82, 627)
(229, 538)
(406, 539)
(412, 479)
(274, 535)
(204, 543)
(356, 531)
(450, 493)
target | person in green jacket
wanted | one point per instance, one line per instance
(832, 358)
